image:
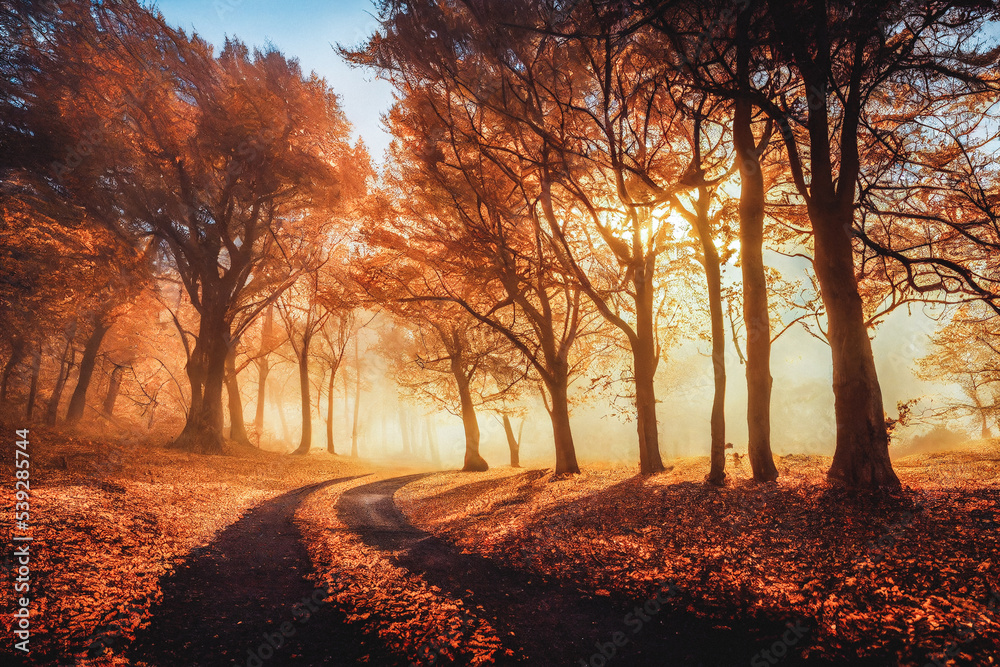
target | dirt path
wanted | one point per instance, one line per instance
(552, 624)
(223, 603)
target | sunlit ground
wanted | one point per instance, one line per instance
(894, 578)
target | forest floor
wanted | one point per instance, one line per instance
(150, 557)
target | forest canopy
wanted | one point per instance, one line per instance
(576, 196)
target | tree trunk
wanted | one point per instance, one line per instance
(862, 455)
(114, 386)
(513, 443)
(642, 339)
(16, 356)
(237, 424)
(263, 369)
(644, 359)
(306, 442)
(36, 366)
(357, 400)
(66, 363)
(78, 401)
(561, 432)
(329, 410)
(206, 370)
(474, 462)
(713, 279)
(755, 308)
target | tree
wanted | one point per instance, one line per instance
(581, 125)
(268, 341)
(237, 424)
(710, 167)
(321, 294)
(302, 322)
(62, 276)
(966, 353)
(713, 50)
(443, 356)
(229, 165)
(513, 443)
(844, 53)
(340, 328)
(479, 233)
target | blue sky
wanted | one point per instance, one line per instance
(307, 30)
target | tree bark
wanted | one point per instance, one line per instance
(566, 463)
(206, 370)
(66, 363)
(114, 386)
(713, 279)
(756, 315)
(642, 339)
(862, 455)
(36, 366)
(474, 462)
(306, 442)
(78, 401)
(644, 361)
(18, 346)
(357, 400)
(329, 410)
(237, 424)
(513, 443)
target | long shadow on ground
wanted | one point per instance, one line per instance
(223, 603)
(541, 621)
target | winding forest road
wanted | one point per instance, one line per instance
(543, 622)
(223, 603)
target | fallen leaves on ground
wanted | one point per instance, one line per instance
(417, 622)
(909, 577)
(110, 520)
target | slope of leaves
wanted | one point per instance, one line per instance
(902, 578)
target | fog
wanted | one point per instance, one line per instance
(802, 405)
